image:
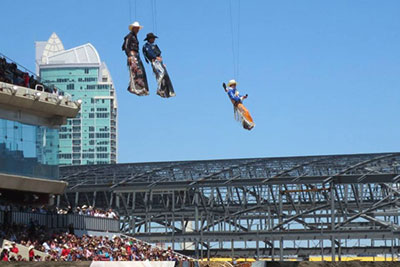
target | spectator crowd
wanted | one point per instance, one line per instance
(89, 211)
(83, 210)
(63, 246)
(9, 73)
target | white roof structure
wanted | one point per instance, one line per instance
(54, 53)
(53, 46)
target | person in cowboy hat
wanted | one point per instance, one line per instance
(152, 54)
(151, 51)
(138, 79)
(131, 43)
(241, 112)
(233, 93)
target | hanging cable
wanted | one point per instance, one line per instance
(233, 41)
(235, 38)
(130, 11)
(155, 16)
(238, 42)
(152, 13)
(135, 10)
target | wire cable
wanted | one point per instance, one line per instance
(130, 11)
(238, 42)
(135, 10)
(152, 13)
(233, 41)
(155, 16)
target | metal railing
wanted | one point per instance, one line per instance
(55, 221)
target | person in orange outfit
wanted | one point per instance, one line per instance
(241, 112)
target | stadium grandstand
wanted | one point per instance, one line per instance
(33, 227)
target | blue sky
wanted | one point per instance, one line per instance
(322, 76)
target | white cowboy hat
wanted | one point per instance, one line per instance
(135, 24)
(231, 82)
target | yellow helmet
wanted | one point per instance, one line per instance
(231, 82)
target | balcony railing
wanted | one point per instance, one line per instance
(60, 221)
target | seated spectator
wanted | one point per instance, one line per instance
(4, 254)
(31, 253)
(32, 82)
(26, 80)
(63, 246)
(14, 248)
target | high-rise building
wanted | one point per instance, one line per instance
(91, 137)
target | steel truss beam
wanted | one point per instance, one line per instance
(346, 204)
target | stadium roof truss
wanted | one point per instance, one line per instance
(314, 205)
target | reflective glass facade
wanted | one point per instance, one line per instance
(90, 138)
(28, 150)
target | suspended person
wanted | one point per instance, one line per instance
(241, 112)
(152, 54)
(138, 80)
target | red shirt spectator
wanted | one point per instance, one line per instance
(14, 248)
(31, 253)
(65, 251)
(26, 79)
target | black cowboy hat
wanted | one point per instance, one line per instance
(149, 36)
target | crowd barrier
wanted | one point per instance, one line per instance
(55, 221)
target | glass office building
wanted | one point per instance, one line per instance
(28, 150)
(91, 137)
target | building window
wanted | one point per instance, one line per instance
(70, 86)
(102, 115)
(65, 136)
(103, 143)
(86, 71)
(102, 135)
(88, 155)
(76, 142)
(65, 156)
(103, 86)
(87, 79)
